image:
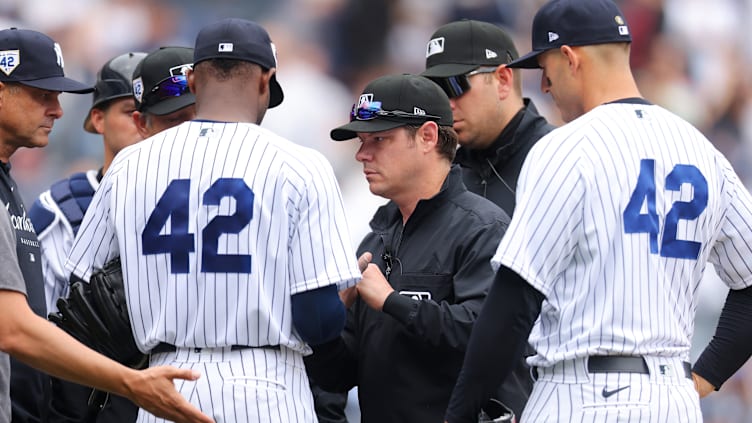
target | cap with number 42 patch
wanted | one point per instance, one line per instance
(34, 59)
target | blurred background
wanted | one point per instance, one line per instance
(690, 56)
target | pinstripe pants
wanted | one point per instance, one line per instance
(566, 392)
(248, 385)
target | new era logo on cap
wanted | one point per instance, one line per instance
(365, 99)
(552, 36)
(490, 54)
(435, 46)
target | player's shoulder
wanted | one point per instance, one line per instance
(65, 200)
(298, 156)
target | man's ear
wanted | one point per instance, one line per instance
(96, 117)
(573, 58)
(429, 135)
(264, 81)
(505, 76)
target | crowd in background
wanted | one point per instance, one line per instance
(690, 56)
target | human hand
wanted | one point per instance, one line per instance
(348, 296)
(374, 288)
(702, 386)
(363, 261)
(153, 389)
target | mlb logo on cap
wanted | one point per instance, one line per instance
(225, 47)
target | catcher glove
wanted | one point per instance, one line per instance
(96, 314)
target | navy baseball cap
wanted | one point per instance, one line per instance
(574, 23)
(239, 39)
(393, 101)
(463, 46)
(159, 81)
(34, 59)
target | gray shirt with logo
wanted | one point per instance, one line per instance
(10, 279)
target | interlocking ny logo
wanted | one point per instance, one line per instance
(59, 54)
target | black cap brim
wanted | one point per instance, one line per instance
(350, 130)
(59, 83)
(165, 107)
(528, 61)
(446, 70)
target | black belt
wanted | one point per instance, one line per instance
(164, 347)
(621, 364)
(625, 364)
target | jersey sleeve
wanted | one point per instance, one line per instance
(543, 233)
(733, 247)
(55, 240)
(12, 278)
(96, 241)
(320, 250)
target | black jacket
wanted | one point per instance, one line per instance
(493, 172)
(405, 360)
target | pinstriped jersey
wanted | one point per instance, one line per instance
(217, 226)
(617, 214)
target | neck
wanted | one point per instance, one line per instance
(429, 185)
(227, 103)
(607, 81)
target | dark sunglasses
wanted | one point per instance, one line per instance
(455, 86)
(373, 110)
(174, 86)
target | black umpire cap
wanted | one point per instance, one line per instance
(393, 101)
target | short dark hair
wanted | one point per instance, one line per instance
(447, 139)
(224, 69)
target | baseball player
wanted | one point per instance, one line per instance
(58, 212)
(31, 81)
(618, 213)
(240, 243)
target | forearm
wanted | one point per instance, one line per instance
(27, 337)
(438, 324)
(731, 345)
(496, 344)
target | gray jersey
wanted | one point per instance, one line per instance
(10, 279)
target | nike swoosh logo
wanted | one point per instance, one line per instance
(606, 393)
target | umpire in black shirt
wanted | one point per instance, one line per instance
(410, 316)
(496, 128)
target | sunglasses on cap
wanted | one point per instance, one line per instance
(373, 110)
(455, 86)
(174, 86)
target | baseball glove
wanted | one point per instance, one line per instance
(96, 315)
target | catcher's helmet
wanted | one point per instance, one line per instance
(113, 81)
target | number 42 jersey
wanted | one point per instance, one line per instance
(217, 226)
(617, 214)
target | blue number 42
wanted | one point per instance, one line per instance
(637, 222)
(179, 243)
